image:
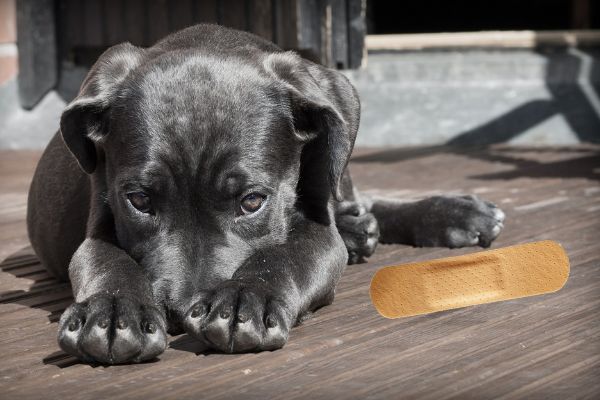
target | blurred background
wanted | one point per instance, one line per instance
(429, 72)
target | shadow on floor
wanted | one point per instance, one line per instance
(45, 293)
(571, 77)
(583, 163)
(187, 343)
(51, 295)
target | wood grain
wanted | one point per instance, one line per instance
(535, 348)
(260, 18)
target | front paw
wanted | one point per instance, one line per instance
(111, 329)
(461, 221)
(240, 317)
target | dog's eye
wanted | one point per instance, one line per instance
(252, 203)
(140, 201)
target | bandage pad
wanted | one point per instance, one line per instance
(484, 277)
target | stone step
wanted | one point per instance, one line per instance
(479, 96)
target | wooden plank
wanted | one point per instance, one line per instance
(114, 22)
(339, 34)
(286, 29)
(206, 11)
(158, 20)
(326, 13)
(540, 347)
(260, 18)
(500, 39)
(93, 23)
(232, 13)
(181, 14)
(71, 11)
(308, 23)
(580, 14)
(136, 23)
(38, 71)
(357, 31)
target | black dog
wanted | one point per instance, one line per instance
(201, 185)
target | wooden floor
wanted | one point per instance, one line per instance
(536, 348)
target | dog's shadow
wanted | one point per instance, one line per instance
(187, 343)
(184, 342)
(53, 296)
(44, 292)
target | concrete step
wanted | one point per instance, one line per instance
(544, 96)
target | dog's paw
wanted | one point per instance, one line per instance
(112, 330)
(358, 229)
(461, 221)
(240, 317)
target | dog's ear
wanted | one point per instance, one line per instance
(83, 123)
(325, 111)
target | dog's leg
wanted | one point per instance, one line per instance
(447, 221)
(113, 319)
(271, 292)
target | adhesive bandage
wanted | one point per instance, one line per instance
(483, 277)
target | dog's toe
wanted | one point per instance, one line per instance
(468, 221)
(217, 327)
(498, 214)
(242, 318)
(112, 330)
(249, 330)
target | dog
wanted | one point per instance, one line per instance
(201, 185)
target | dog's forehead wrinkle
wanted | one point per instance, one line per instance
(202, 104)
(217, 164)
(202, 88)
(197, 75)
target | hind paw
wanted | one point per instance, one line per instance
(359, 230)
(459, 222)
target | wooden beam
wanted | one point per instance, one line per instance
(357, 30)
(506, 39)
(339, 34)
(37, 50)
(308, 23)
(580, 14)
(286, 26)
(260, 18)
(158, 20)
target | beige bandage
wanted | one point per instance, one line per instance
(484, 277)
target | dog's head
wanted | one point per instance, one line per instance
(198, 160)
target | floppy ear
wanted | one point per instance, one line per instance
(325, 109)
(83, 124)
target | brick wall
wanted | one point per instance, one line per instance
(8, 40)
